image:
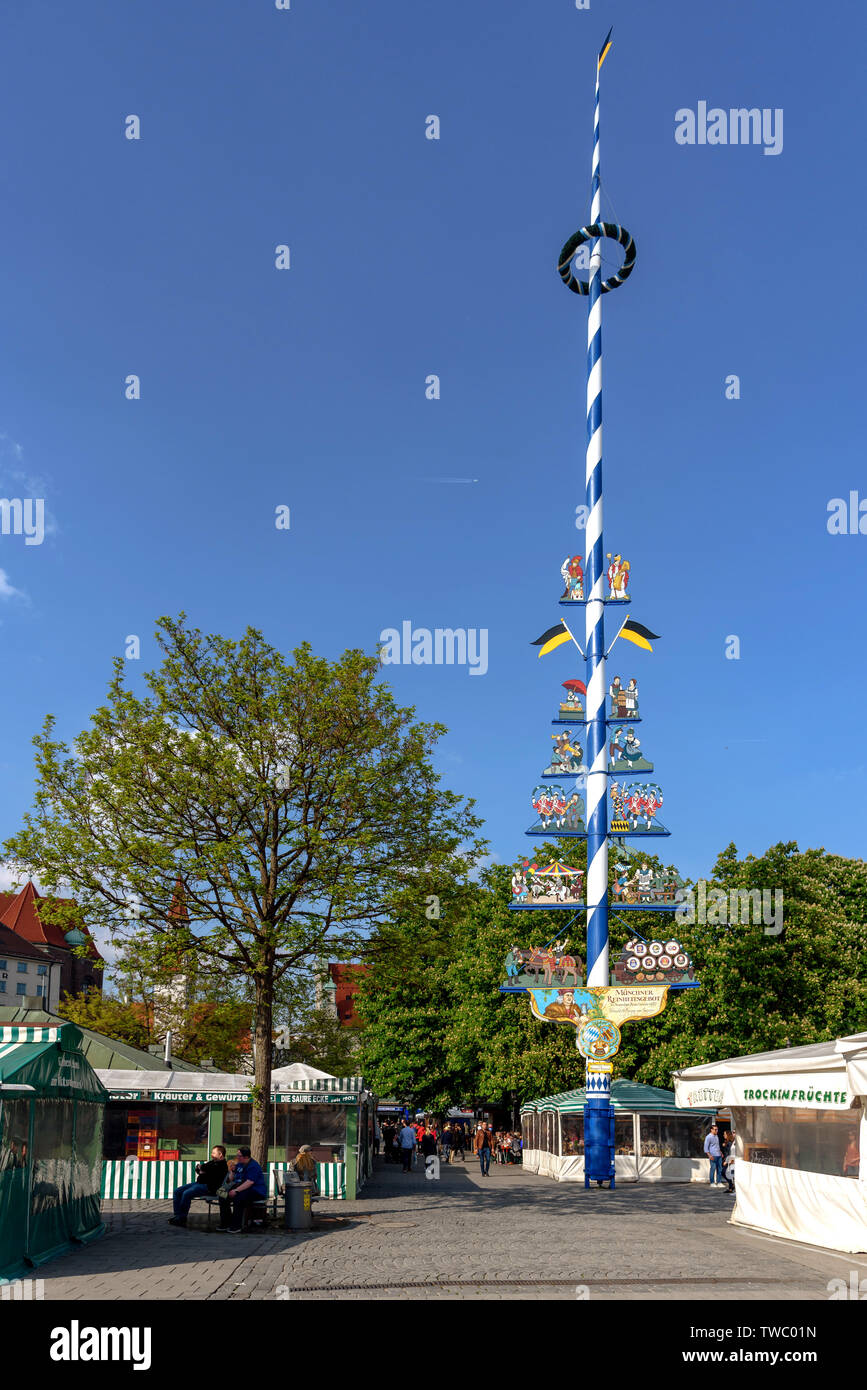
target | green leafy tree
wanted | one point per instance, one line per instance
(291, 800)
(764, 988)
(112, 1017)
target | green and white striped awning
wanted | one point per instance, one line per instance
(17, 1033)
(626, 1096)
(156, 1179)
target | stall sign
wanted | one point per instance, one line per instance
(243, 1097)
(125, 1095)
(806, 1090)
(619, 1003)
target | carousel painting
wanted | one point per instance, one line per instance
(654, 962)
(558, 810)
(624, 751)
(548, 886)
(634, 807)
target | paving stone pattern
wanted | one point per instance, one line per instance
(512, 1235)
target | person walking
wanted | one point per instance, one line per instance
(482, 1146)
(458, 1142)
(446, 1141)
(515, 1149)
(714, 1153)
(428, 1144)
(728, 1154)
(408, 1141)
(387, 1141)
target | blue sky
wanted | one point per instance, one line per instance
(411, 256)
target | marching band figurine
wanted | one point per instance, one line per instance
(567, 756)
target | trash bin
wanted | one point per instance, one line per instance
(299, 1206)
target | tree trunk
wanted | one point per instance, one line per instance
(263, 1034)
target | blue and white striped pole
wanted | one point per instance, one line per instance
(598, 1116)
(597, 743)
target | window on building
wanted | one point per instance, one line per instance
(815, 1141)
(673, 1136)
(2, 986)
(22, 967)
(142, 1130)
(14, 1130)
(40, 991)
(42, 969)
(573, 1134)
(21, 989)
(323, 1127)
(624, 1134)
(4, 965)
(236, 1122)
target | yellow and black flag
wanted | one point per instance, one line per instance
(554, 637)
(603, 52)
(639, 634)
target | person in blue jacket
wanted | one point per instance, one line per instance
(247, 1185)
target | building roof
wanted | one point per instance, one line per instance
(13, 945)
(836, 1070)
(299, 1071)
(822, 1056)
(20, 913)
(104, 1053)
(626, 1095)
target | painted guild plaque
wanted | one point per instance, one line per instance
(634, 807)
(624, 698)
(547, 885)
(654, 962)
(573, 578)
(557, 809)
(567, 757)
(624, 751)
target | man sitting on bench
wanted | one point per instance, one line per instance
(209, 1176)
(248, 1185)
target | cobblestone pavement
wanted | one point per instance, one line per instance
(513, 1235)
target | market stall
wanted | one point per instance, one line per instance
(159, 1124)
(654, 1140)
(800, 1126)
(51, 1117)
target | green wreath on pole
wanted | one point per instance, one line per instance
(593, 233)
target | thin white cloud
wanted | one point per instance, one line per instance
(8, 590)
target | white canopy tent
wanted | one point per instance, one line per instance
(800, 1115)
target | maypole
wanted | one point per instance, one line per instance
(645, 971)
(598, 1115)
(597, 776)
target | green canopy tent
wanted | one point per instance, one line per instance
(654, 1139)
(51, 1117)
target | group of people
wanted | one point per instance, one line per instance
(721, 1154)
(403, 1143)
(237, 1190)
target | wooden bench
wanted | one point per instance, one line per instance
(255, 1213)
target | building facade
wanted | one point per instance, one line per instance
(25, 932)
